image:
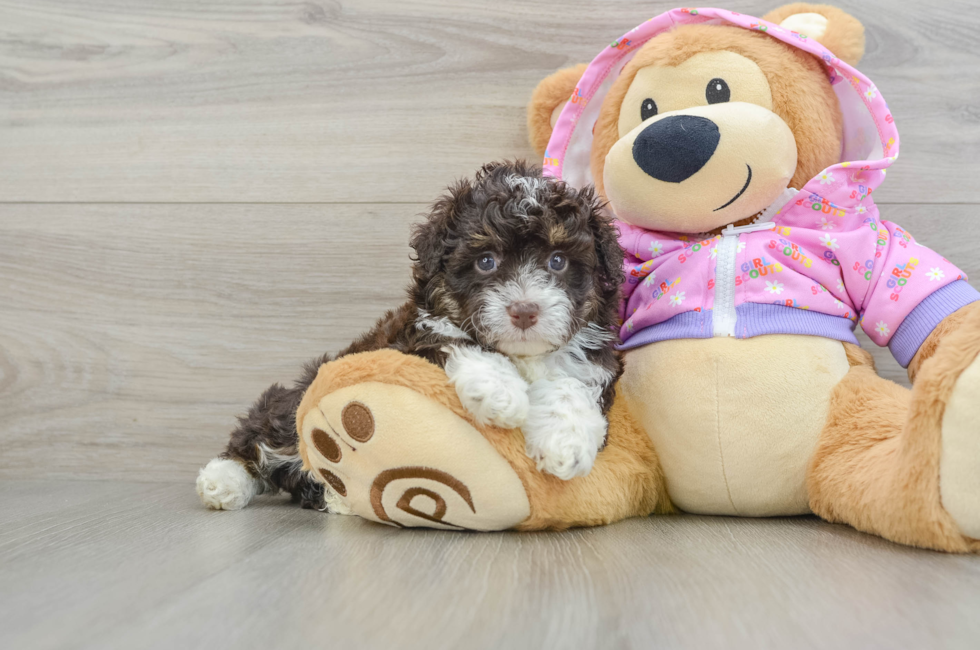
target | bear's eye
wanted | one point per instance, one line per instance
(717, 91)
(648, 109)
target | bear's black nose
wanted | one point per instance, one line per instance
(677, 147)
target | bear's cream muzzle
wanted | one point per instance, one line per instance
(700, 168)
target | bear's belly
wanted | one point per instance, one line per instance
(735, 421)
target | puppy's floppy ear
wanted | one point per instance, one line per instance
(609, 254)
(548, 99)
(433, 238)
(839, 32)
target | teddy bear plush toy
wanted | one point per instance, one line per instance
(739, 157)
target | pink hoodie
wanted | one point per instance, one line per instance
(820, 263)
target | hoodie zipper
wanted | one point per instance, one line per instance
(723, 314)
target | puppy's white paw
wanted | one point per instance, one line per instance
(225, 484)
(564, 427)
(488, 386)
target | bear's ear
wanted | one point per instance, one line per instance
(548, 99)
(839, 32)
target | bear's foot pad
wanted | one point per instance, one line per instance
(394, 456)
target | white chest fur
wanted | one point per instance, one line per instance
(566, 362)
(532, 368)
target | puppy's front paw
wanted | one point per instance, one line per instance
(564, 428)
(488, 386)
(494, 402)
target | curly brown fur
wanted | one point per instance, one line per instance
(509, 212)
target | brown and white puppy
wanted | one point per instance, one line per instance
(515, 293)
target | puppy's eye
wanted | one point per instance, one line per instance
(557, 262)
(486, 263)
(648, 109)
(717, 91)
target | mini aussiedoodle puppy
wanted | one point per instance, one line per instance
(515, 294)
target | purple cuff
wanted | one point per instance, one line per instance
(919, 324)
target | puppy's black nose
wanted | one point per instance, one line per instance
(523, 314)
(677, 147)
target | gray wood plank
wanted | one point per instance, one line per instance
(380, 100)
(84, 557)
(133, 334)
(125, 565)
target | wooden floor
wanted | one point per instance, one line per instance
(196, 197)
(108, 565)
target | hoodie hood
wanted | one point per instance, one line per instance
(870, 142)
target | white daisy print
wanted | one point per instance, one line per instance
(714, 252)
(838, 303)
(741, 246)
(935, 274)
(826, 178)
(861, 209)
(826, 225)
(840, 284)
(629, 325)
(829, 242)
(677, 299)
(774, 287)
(882, 328)
(656, 248)
(650, 279)
(871, 92)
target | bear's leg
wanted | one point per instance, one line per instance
(386, 433)
(880, 462)
(956, 361)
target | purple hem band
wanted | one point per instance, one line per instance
(753, 319)
(757, 319)
(920, 323)
(689, 325)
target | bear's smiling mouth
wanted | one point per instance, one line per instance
(740, 192)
